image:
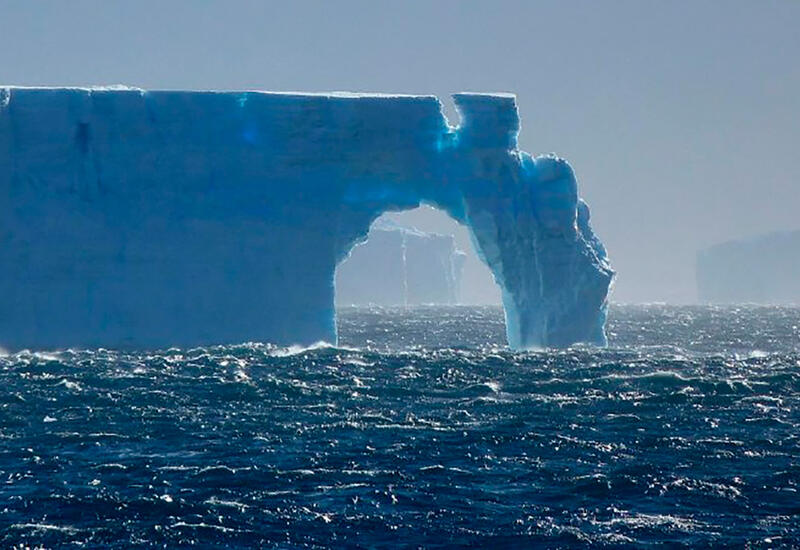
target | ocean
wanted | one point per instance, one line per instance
(420, 430)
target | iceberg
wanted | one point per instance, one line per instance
(400, 265)
(763, 269)
(133, 218)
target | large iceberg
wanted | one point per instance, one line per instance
(140, 218)
(400, 265)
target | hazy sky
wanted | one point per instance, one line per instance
(681, 119)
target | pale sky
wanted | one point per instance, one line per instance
(681, 118)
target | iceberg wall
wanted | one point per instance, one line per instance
(400, 265)
(140, 218)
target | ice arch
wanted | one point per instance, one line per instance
(136, 218)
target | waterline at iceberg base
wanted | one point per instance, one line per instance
(132, 218)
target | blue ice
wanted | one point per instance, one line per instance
(134, 218)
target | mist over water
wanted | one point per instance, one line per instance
(421, 429)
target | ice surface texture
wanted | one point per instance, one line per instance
(167, 218)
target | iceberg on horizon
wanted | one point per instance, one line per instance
(763, 269)
(133, 218)
(399, 266)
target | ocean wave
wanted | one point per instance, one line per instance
(676, 442)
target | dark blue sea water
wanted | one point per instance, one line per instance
(421, 430)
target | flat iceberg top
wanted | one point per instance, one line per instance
(291, 127)
(489, 114)
(337, 94)
(783, 238)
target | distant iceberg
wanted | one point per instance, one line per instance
(400, 265)
(764, 270)
(135, 218)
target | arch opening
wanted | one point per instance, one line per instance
(415, 257)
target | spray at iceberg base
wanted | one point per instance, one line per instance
(139, 218)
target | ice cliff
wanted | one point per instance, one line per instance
(763, 269)
(155, 218)
(400, 266)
